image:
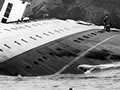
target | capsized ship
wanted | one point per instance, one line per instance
(45, 47)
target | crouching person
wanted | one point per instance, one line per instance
(107, 24)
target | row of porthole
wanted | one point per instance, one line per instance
(34, 25)
(33, 38)
(40, 60)
(82, 39)
(21, 27)
(34, 62)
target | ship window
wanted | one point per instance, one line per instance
(76, 41)
(51, 54)
(38, 36)
(66, 28)
(40, 60)
(89, 35)
(1, 50)
(6, 14)
(28, 67)
(10, 5)
(38, 24)
(27, 26)
(8, 10)
(21, 27)
(61, 30)
(17, 42)
(81, 39)
(45, 57)
(14, 28)
(7, 46)
(46, 34)
(50, 32)
(6, 29)
(4, 20)
(85, 36)
(93, 34)
(32, 38)
(57, 31)
(34, 25)
(24, 40)
(36, 63)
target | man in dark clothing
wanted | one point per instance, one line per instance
(106, 23)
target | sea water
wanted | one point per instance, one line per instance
(108, 79)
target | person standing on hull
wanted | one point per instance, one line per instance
(106, 23)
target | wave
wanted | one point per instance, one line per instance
(99, 71)
(94, 68)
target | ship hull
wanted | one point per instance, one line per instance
(52, 57)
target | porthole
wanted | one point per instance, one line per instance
(7, 46)
(38, 36)
(58, 49)
(27, 26)
(51, 54)
(61, 30)
(6, 29)
(20, 27)
(40, 60)
(89, 35)
(81, 39)
(1, 50)
(34, 25)
(57, 31)
(17, 42)
(36, 63)
(46, 34)
(14, 28)
(38, 24)
(85, 36)
(76, 41)
(28, 67)
(66, 28)
(50, 32)
(93, 34)
(32, 38)
(45, 57)
(24, 40)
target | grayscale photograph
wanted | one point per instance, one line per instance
(59, 45)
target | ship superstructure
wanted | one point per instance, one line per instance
(47, 46)
(12, 10)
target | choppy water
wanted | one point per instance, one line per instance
(103, 80)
